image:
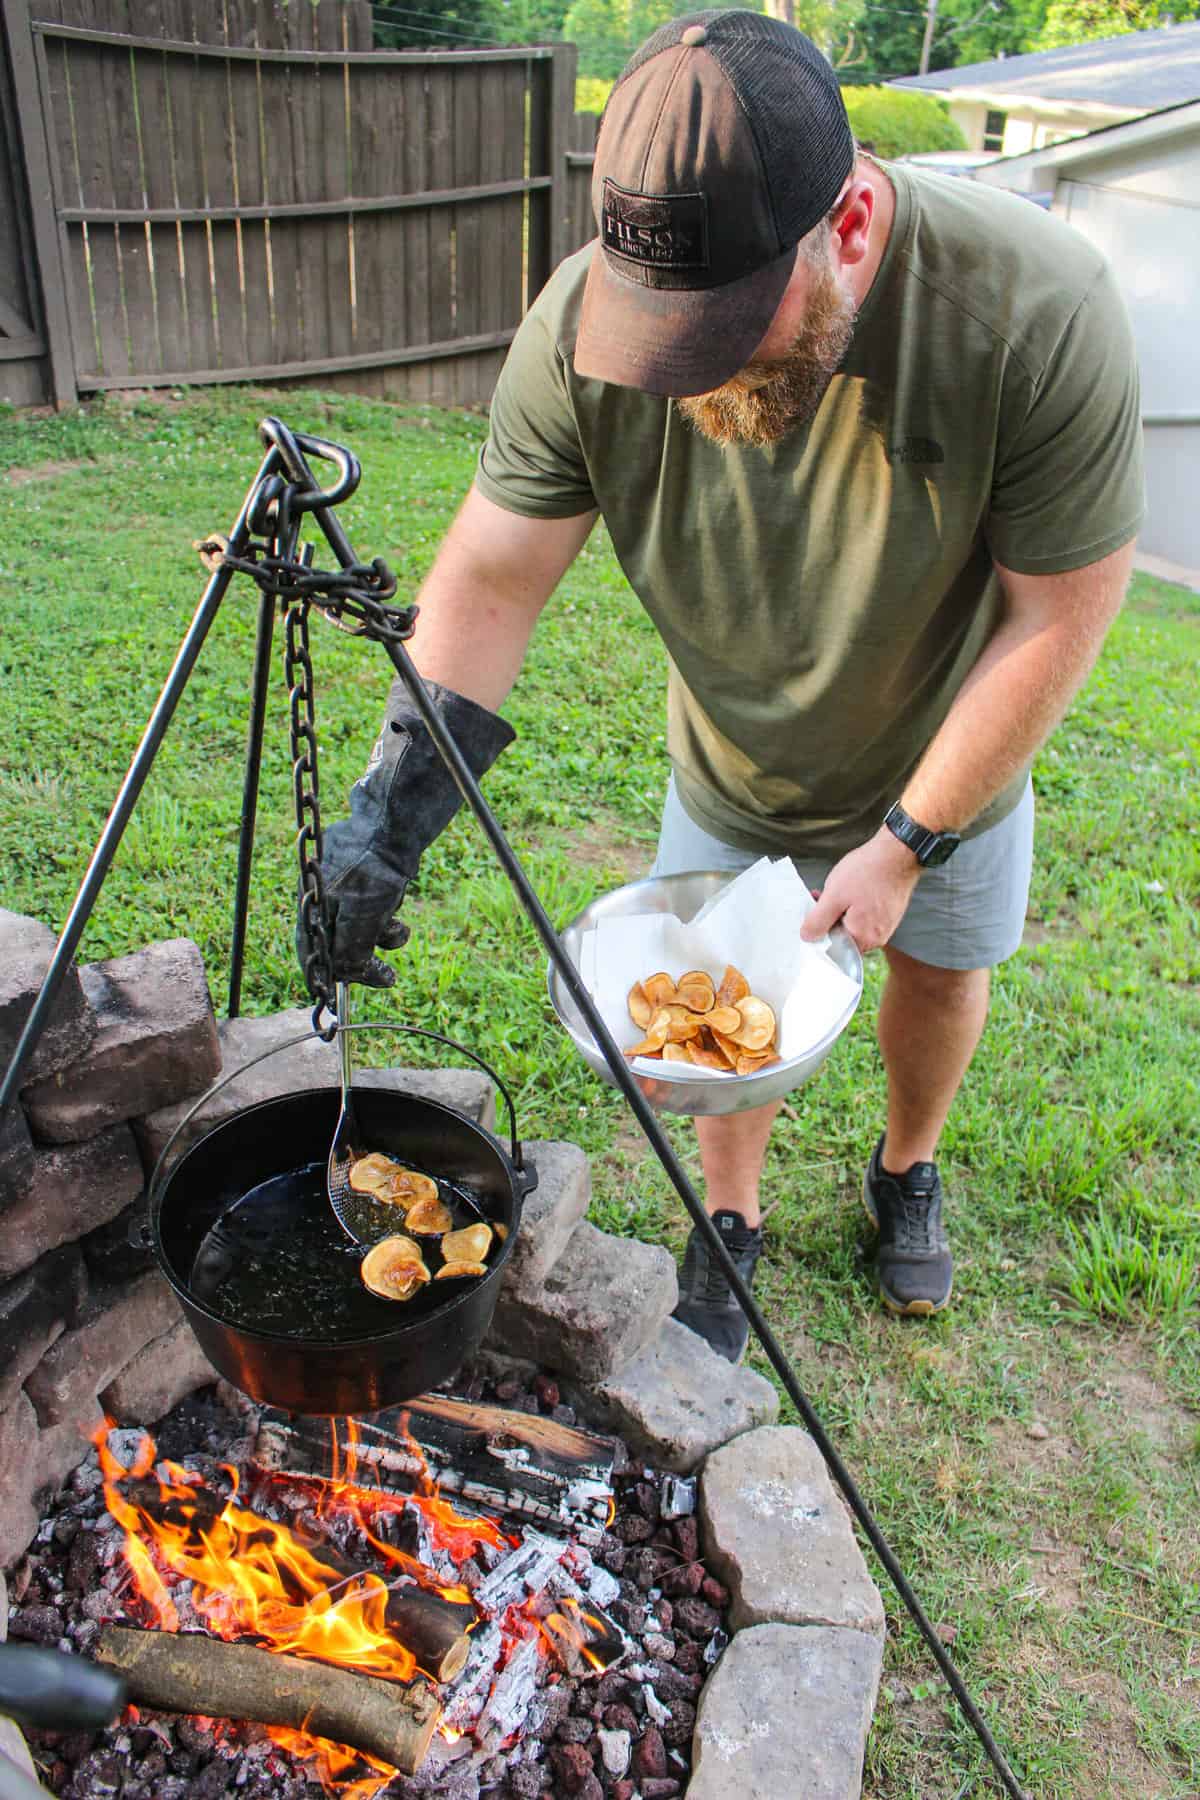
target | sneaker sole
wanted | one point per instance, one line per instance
(903, 1309)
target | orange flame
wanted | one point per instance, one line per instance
(252, 1578)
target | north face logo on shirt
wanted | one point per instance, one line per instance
(663, 231)
(916, 450)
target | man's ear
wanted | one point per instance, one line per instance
(852, 225)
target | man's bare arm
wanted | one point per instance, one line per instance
(479, 604)
(1034, 664)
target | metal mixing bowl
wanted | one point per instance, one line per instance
(679, 1089)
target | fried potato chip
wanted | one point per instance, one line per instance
(705, 1059)
(640, 1009)
(471, 1244)
(695, 991)
(749, 1063)
(757, 1026)
(501, 1231)
(734, 987)
(682, 1024)
(656, 1034)
(368, 1174)
(728, 1049)
(394, 1269)
(429, 1218)
(451, 1270)
(659, 989)
(407, 1189)
(675, 1053)
(723, 1019)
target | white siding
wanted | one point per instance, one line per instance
(1144, 214)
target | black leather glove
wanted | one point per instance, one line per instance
(403, 802)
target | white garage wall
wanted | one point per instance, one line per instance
(1144, 214)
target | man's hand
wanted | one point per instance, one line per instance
(867, 892)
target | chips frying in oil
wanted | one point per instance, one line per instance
(395, 1268)
(692, 1020)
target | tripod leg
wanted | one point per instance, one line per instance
(254, 744)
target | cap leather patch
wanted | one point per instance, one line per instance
(657, 231)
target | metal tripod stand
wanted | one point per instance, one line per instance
(355, 598)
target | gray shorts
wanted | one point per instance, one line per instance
(969, 914)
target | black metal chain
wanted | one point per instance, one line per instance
(351, 598)
(315, 921)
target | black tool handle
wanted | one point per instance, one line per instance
(54, 1691)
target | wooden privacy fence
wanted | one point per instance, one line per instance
(245, 190)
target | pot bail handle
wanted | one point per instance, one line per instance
(141, 1230)
(526, 1177)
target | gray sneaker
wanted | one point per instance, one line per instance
(707, 1303)
(916, 1273)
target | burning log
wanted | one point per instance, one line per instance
(430, 1625)
(187, 1672)
(512, 1463)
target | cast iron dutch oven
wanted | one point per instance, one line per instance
(245, 1211)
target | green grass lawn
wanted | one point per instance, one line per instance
(1033, 1454)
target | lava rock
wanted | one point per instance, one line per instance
(575, 1730)
(648, 1758)
(697, 1618)
(686, 1533)
(573, 1766)
(677, 1732)
(684, 1581)
(37, 1624)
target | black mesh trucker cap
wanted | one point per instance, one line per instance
(724, 141)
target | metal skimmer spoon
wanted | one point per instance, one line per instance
(360, 1216)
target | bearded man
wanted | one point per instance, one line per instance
(866, 441)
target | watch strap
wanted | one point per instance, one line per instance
(931, 848)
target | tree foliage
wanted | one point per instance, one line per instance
(1080, 21)
(898, 122)
(883, 39)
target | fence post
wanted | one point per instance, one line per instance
(35, 152)
(562, 118)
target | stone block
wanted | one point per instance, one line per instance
(780, 1539)
(603, 1301)
(26, 947)
(158, 1377)
(551, 1213)
(305, 1065)
(64, 1447)
(35, 1309)
(16, 1156)
(75, 1188)
(83, 1362)
(677, 1400)
(156, 1043)
(786, 1712)
(18, 1478)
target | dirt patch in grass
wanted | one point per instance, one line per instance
(603, 844)
(43, 471)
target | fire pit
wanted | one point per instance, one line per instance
(300, 1610)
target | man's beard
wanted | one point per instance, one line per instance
(766, 400)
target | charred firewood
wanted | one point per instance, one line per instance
(185, 1672)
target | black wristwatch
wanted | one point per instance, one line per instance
(931, 848)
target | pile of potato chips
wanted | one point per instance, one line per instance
(726, 1028)
(395, 1268)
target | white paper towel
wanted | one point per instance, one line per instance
(754, 923)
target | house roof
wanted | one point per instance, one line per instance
(1146, 132)
(1144, 70)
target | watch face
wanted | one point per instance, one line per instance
(941, 851)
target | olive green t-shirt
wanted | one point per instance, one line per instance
(821, 601)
